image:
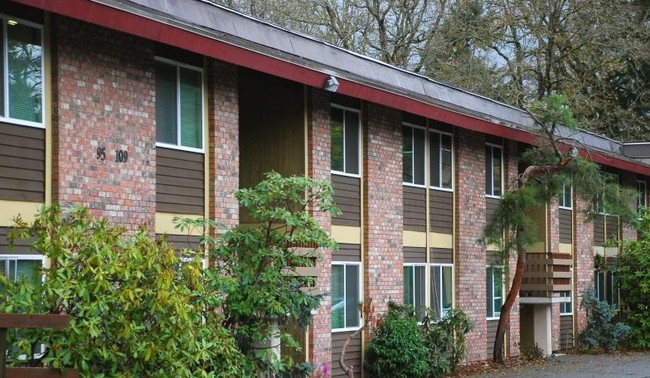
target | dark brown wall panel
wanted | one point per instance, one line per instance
(414, 209)
(566, 220)
(599, 230)
(566, 331)
(347, 196)
(352, 355)
(413, 255)
(611, 222)
(179, 181)
(491, 205)
(441, 209)
(442, 255)
(21, 246)
(491, 335)
(347, 252)
(182, 241)
(22, 163)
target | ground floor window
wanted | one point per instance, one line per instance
(442, 292)
(439, 286)
(494, 290)
(606, 285)
(346, 289)
(566, 308)
(21, 267)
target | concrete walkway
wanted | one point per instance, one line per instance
(631, 364)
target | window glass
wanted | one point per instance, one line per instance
(2, 65)
(351, 296)
(336, 124)
(493, 170)
(338, 296)
(434, 142)
(447, 288)
(494, 288)
(641, 201)
(566, 307)
(441, 289)
(351, 142)
(345, 296)
(24, 77)
(179, 107)
(20, 268)
(565, 198)
(446, 163)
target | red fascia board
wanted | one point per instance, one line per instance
(130, 23)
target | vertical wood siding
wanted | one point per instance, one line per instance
(566, 331)
(441, 210)
(352, 355)
(566, 232)
(414, 209)
(179, 181)
(347, 196)
(22, 163)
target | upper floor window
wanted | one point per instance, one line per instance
(179, 105)
(642, 195)
(416, 147)
(494, 290)
(345, 140)
(565, 197)
(493, 170)
(346, 291)
(21, 59)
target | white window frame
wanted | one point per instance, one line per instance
(426, 162)
(178, 146)
(500, 147)
(442, 310)
(562, 203)
(359, 298)
(13, 256)
(429, 150)
(360, 150)
(4, 18)
(426, 280)
(496, 313)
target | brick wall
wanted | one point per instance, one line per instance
(383, 259)
(319, 167)
(511, 149)
(104, 94)
(555, 326)
(583, 265)
(470, 254)
(223, 121)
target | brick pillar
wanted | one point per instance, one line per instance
(319, 167)
(383, 259)
(583, 265)
(470, 255)
(223, 120)
(103, 97)
(514, 330)
(555, 326)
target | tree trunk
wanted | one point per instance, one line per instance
(504, 319)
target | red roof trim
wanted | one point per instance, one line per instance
(112, 18)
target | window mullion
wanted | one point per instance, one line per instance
(5, 70)
(178, 107)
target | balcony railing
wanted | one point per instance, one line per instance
(546, 273)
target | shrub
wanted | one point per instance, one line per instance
(601, 333)
(445, 340)
(397, 346)
(531, 352)
(137, 309)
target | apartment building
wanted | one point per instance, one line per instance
(142, 110)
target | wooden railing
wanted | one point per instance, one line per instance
(546, 273)
(8, 321)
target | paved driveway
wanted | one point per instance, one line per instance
(628, 365)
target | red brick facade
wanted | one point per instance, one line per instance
(103, 97)
(512, 171)
(583, 263)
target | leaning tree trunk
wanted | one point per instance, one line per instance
(504, 319)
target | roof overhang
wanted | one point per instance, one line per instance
(135, 18)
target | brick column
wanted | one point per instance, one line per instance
(583, 264)
(555, 326)
(513, 333)
(470, 255)
(383, 259)
(103, 97)
(223, 121)
(319, 167)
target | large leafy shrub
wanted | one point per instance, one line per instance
(633, 270)
(602, 333)
(137, 309)
(445, 339)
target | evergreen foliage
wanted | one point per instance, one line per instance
(602, 333)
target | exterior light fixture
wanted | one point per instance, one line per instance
(331, 84)
(573, 152)
(12, 22)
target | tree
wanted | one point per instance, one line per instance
(547, 167)
(136, 308)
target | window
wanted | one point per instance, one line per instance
(493, 170)
(494, 286)
(566, 308)
(345, 296)
(565, 197)
(642, 195)
(414, 285)
(606, 286)
(21, 59)
(179, 105)
(414, 152)
(345, 140)
(441, 289)
(19, 267)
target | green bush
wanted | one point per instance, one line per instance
(397, 346)
(601, 332)
(445, 339)
(633, 271)
(137, 309)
